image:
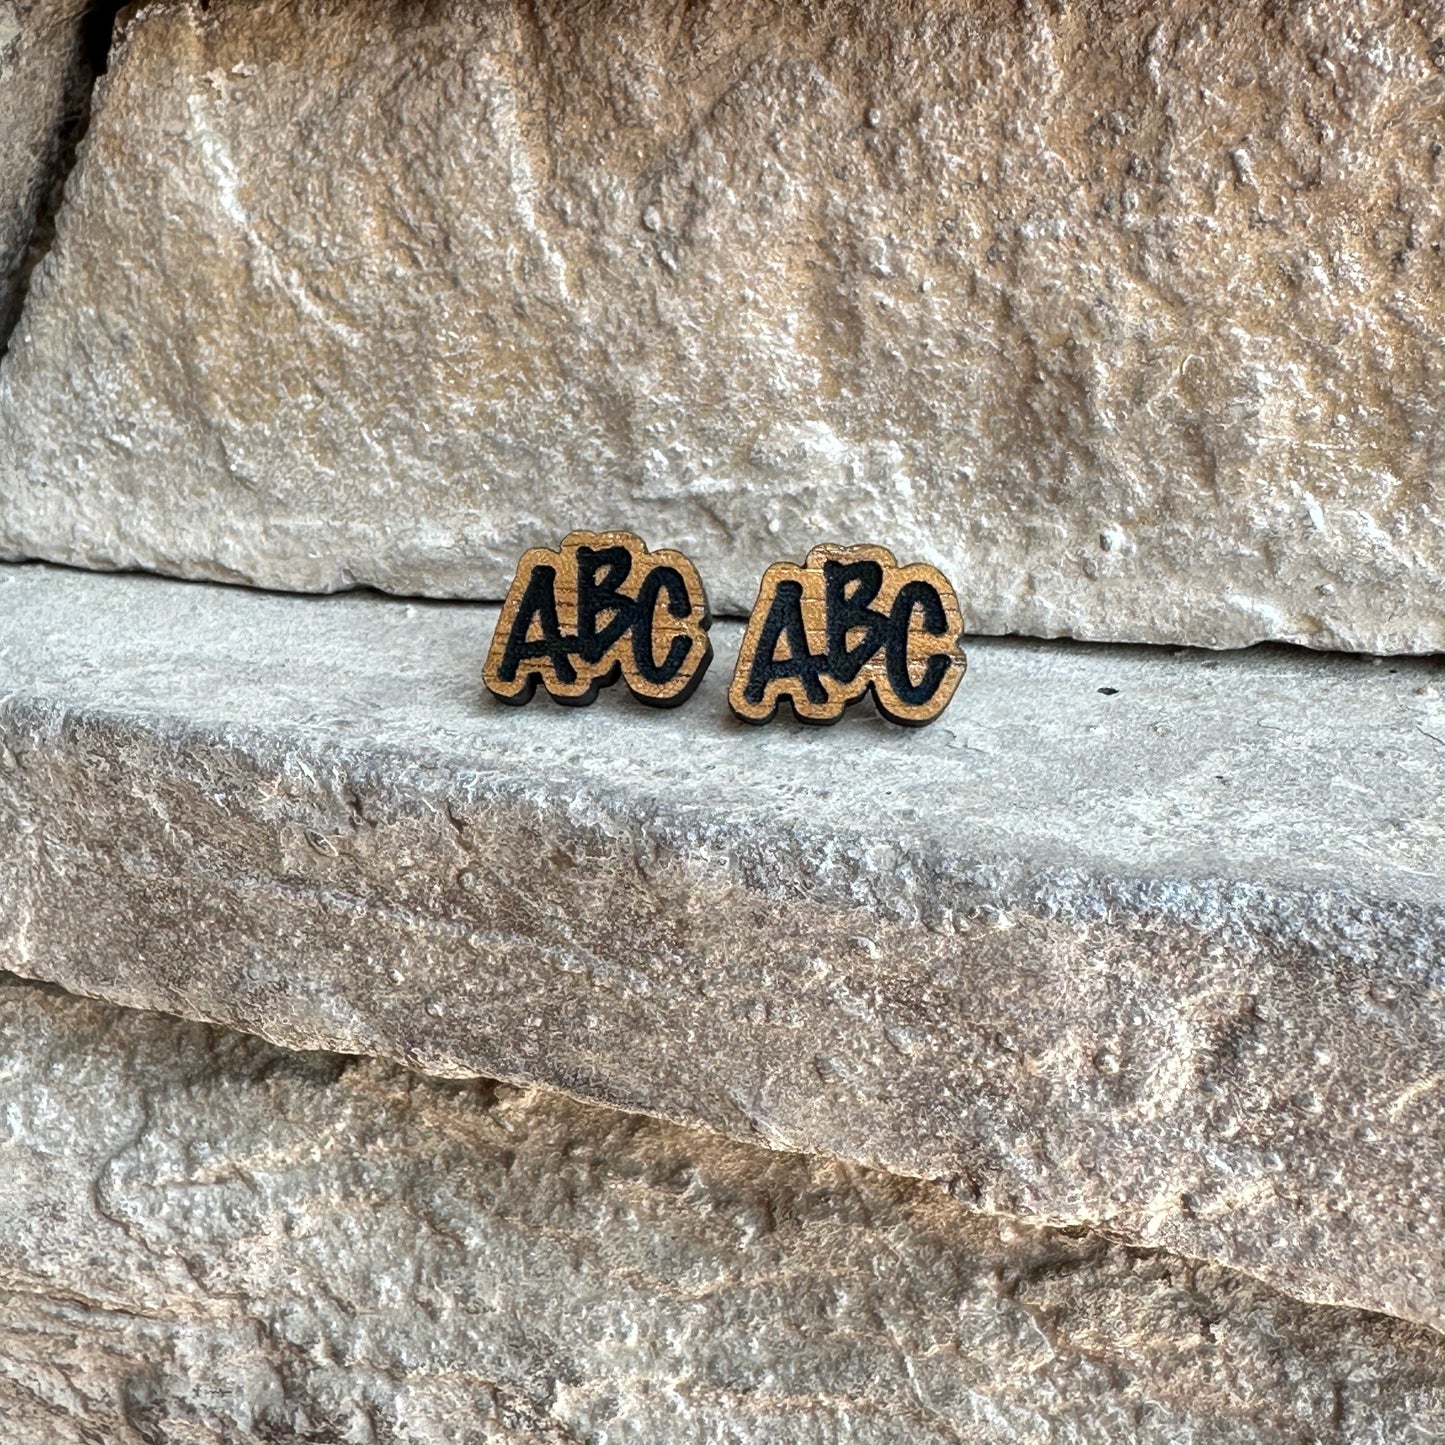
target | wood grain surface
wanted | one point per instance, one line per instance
(850, 619)
(601, 607)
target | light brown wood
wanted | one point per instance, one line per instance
(850, 619)
(598, 608)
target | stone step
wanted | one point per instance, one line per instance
(210, 1239)
(1138, 940)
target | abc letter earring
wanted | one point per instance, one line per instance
(850, 619)
(600, 608)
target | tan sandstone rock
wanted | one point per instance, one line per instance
(43, 91)
(1127, 316)
(204, 1238)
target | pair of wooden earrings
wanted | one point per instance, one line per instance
(821, 635)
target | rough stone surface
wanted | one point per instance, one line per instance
(1165, 961)
(203, 1238)
(1127, 316)
(43, 82)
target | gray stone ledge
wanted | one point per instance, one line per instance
(211, 1240)
(1165, 962)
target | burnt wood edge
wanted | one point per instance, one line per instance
(828, 722)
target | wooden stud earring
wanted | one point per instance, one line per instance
(601, 607)
(850, 619)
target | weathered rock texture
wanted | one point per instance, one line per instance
(1165, 961)
(1128, 316)
(44, 80)
(203, 1238)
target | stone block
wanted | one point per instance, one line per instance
(1141, 942)
(207, 1239)
(1126, 316)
